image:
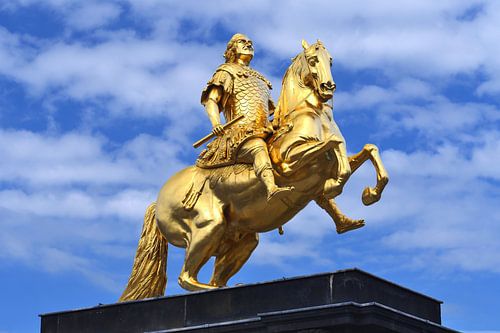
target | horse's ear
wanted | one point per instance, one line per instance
(319, 42)
(304, 44)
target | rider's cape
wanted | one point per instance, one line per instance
(245, 92)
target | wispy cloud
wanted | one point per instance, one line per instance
(138, 73)
(83, 159)
(64, 199)
(76, 15)
(129, 75)
(430, 39)
(412, 105)
(438, 214)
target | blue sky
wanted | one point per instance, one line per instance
(99, 105)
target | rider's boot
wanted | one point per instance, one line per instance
(273, 190)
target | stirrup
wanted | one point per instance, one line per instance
(279, 191)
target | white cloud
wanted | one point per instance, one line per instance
(78, 15)
(81, 159)
(412, 105)
(372, 96)
(155, 74)
(91, 15)
(446, 210)
(301, 240)
(124, 73)
(66, 199)
(438, 214)
(130, 75)
(127, 204)
(423, 38)
(57, 245)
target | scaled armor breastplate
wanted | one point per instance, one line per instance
(250, 98)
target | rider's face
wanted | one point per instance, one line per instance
(244, 48)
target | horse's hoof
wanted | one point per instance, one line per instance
(370, 196)
(193, 285)
(217, 285)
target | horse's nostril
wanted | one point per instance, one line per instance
(328, 86)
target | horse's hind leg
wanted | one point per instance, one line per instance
(370, 151)
(232, 256)
(207, 231)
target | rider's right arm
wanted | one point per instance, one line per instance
(212, 108)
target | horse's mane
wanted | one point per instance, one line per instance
(298, 70)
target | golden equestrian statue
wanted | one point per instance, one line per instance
(255, 176)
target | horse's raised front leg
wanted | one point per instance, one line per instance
(206, 234)
(231, 257)
(370, 151)
(342, 222)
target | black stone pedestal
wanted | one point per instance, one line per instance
(344, 301)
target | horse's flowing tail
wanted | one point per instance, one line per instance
(148, 277)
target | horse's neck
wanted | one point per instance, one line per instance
(294, 95)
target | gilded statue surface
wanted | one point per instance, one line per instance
(255, 175)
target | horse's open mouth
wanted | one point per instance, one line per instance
(325, 94)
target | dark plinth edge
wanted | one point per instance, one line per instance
(247, 285)
(226, 324)
(397, 320)
(355, 269)
(350, 293)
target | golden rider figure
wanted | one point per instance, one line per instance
(236, 89)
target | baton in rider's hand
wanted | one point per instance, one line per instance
(218, 130)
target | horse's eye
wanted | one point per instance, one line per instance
(312, 62)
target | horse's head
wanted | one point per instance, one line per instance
(309, 73)
(318, 75)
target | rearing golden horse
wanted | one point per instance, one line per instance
(219, 212)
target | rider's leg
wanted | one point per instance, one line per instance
(256, 148)
(296, 150)
(342, 222)
(232, 257)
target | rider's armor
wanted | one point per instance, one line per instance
(245, 92)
